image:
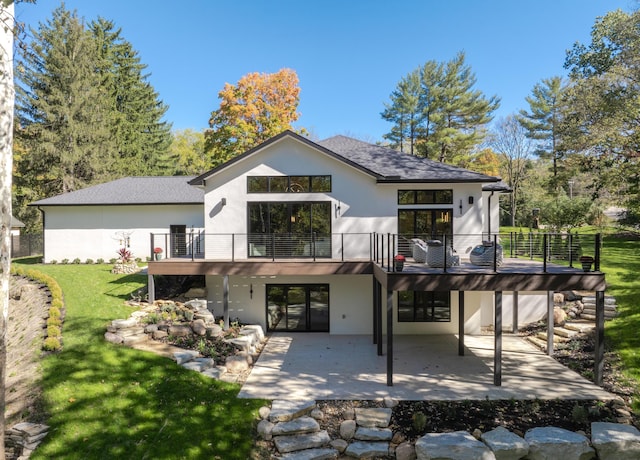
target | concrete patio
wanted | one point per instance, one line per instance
(322, 366)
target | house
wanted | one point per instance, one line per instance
(16, 225)
(300, 236)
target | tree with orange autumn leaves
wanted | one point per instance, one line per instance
(259, 107)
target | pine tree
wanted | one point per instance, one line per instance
(142, 138)
(543, 120)
(63, 109)
(405, 112)
(450, 116)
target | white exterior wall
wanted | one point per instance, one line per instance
(359, 205)
(532, 307)
(93, 232)
(350, 299)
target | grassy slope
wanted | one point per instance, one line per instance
(621, 264)
(108, 401)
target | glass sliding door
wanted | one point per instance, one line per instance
(289, 229)
(298, 308)
(426, 224)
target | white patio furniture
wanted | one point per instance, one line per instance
(483, 254)
(436, 255)
(419, 250)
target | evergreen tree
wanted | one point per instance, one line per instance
(63, 109)
(543, 120)
(405, 112)
(142, 138)
(445, 117)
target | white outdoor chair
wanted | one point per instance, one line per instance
(436, 255)
(483, 254)
(419, 250)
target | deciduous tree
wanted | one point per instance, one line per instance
(6, 140)
(187, 153)
(259, 107)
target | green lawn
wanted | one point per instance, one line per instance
(107, 401)
(621, 264)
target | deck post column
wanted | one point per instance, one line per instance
(225, 300)
(550, 323)
(514, 320)
(497, 355)
(151, 289)
(389, 338)
(379, 316)
(461, 323)
(376, 301)
(598, 370)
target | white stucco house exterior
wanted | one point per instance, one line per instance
(300, 236)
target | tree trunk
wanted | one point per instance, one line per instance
(7, 96)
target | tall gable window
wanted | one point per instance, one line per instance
(288, 184)
(425, 196)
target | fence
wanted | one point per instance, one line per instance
(25, 245)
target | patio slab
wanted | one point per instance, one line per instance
(346, 367)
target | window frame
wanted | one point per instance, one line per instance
(431, 196)
(295, 183)
(425, 301)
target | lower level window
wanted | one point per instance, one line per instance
(418, 306)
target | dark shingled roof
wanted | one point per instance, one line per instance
(132, 191)
(15, 223)
(394, 166)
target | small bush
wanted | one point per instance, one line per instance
(89, 261)
(152, 318)
(53, 331)
(51, 344)
(53, 262)
(138, 260)
(54, 312)
(77, 261)
(419, 421)
(64, 261)
(54, 321)
(100, 261)
(113, 260)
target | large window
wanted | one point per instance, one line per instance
(289, 229)
(418, 306)
(426, 224)
(425, 196)
(288, 184)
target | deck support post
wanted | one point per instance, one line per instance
(550, 323)
(225, 300)
(461, 323)
(379, 316)
(599, 348)
(151, 289)
(389, 338)
(497, 355)
(514, 320)
(374, 306)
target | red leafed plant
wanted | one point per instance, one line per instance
(125, 255)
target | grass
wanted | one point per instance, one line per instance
(621, 264)
(108, 401)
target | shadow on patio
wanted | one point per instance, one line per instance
(346, 367)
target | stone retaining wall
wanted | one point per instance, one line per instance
(295, 428)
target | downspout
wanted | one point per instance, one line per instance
(43, 232)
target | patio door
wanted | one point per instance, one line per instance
(178, 240)
(426, 224)
(298, 308)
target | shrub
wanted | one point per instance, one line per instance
(125, 255)
(152, 318)
(53, 262)
(419, 421)
(56, 303)
(113, 260)
(54, 321)
(89, 262)
(64, 261)
(77, 261)
(51, 344)
(138, 260)
(54, 312)
(100, 261)
(53, 331)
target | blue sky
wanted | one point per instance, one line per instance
(349, 55)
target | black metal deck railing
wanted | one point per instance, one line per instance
(563, 249)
